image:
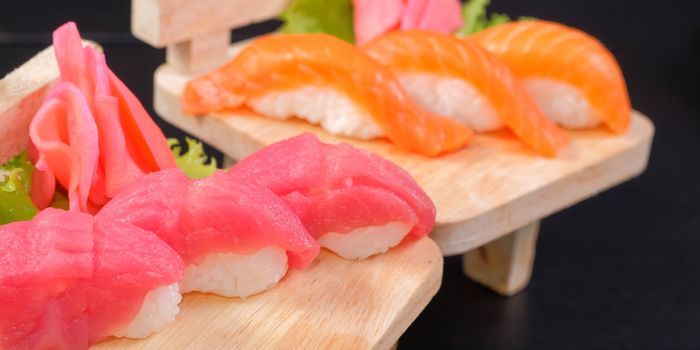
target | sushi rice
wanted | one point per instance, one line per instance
(236, 275)
(452, 97)
(326, 107)
(364, 242)
(562, 103)
(160, 307)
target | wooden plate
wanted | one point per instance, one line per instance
(335, 303)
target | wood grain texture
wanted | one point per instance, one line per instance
(494, 187)
(505, 264)
(21, 94)
(335, 303)
(200, 53)
(165, 22)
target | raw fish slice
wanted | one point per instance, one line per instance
(327, 81)
(342, 191)
(235, 239)
(67, 282)
(571, 75)
(461, 80)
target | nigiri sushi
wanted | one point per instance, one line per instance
(355, 203)
(573, 78)
(460, 80)
(235, 239)
(67, 281)
(326, 81)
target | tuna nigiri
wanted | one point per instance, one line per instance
(235, 239)
(353, 202)
(326, 81)
(573, 78)
(460, 80)
(67, 281)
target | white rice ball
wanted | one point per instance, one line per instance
(334, 111)
(160, 307)
(236, 275)
(562, 103)
(364, 242)
(453, 98)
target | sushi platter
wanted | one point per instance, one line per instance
(334, 302)
(359, 149)
(489, 196)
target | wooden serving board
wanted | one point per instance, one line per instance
(482, 192)
(335, 303)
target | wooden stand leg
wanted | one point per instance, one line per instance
(504, 265)
(200, 53)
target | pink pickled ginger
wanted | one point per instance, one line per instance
(373, 18)
(91, 135)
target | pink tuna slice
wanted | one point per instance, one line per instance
(373, 18)
(129, 144)
(338, 188)
(67, 281)
(212, 215)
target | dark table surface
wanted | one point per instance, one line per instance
(618, 271)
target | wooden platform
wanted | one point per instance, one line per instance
(482, 192)
(335, 303)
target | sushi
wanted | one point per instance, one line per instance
(235, 239)
(355, 203)
(68, 281)
(460, 80)
(91, 135)
(325, 81)
(573, 78)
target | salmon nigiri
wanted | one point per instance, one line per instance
(460, 80)
(326, 81)
(574, 79)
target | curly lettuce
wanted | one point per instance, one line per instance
(195, 163)
(334, 17)
(15, 183)
(476, 19)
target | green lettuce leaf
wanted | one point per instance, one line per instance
(193, 162)
(476, 19)
(332, 17)
(15, 182)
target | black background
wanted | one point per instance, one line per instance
(618, 271)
